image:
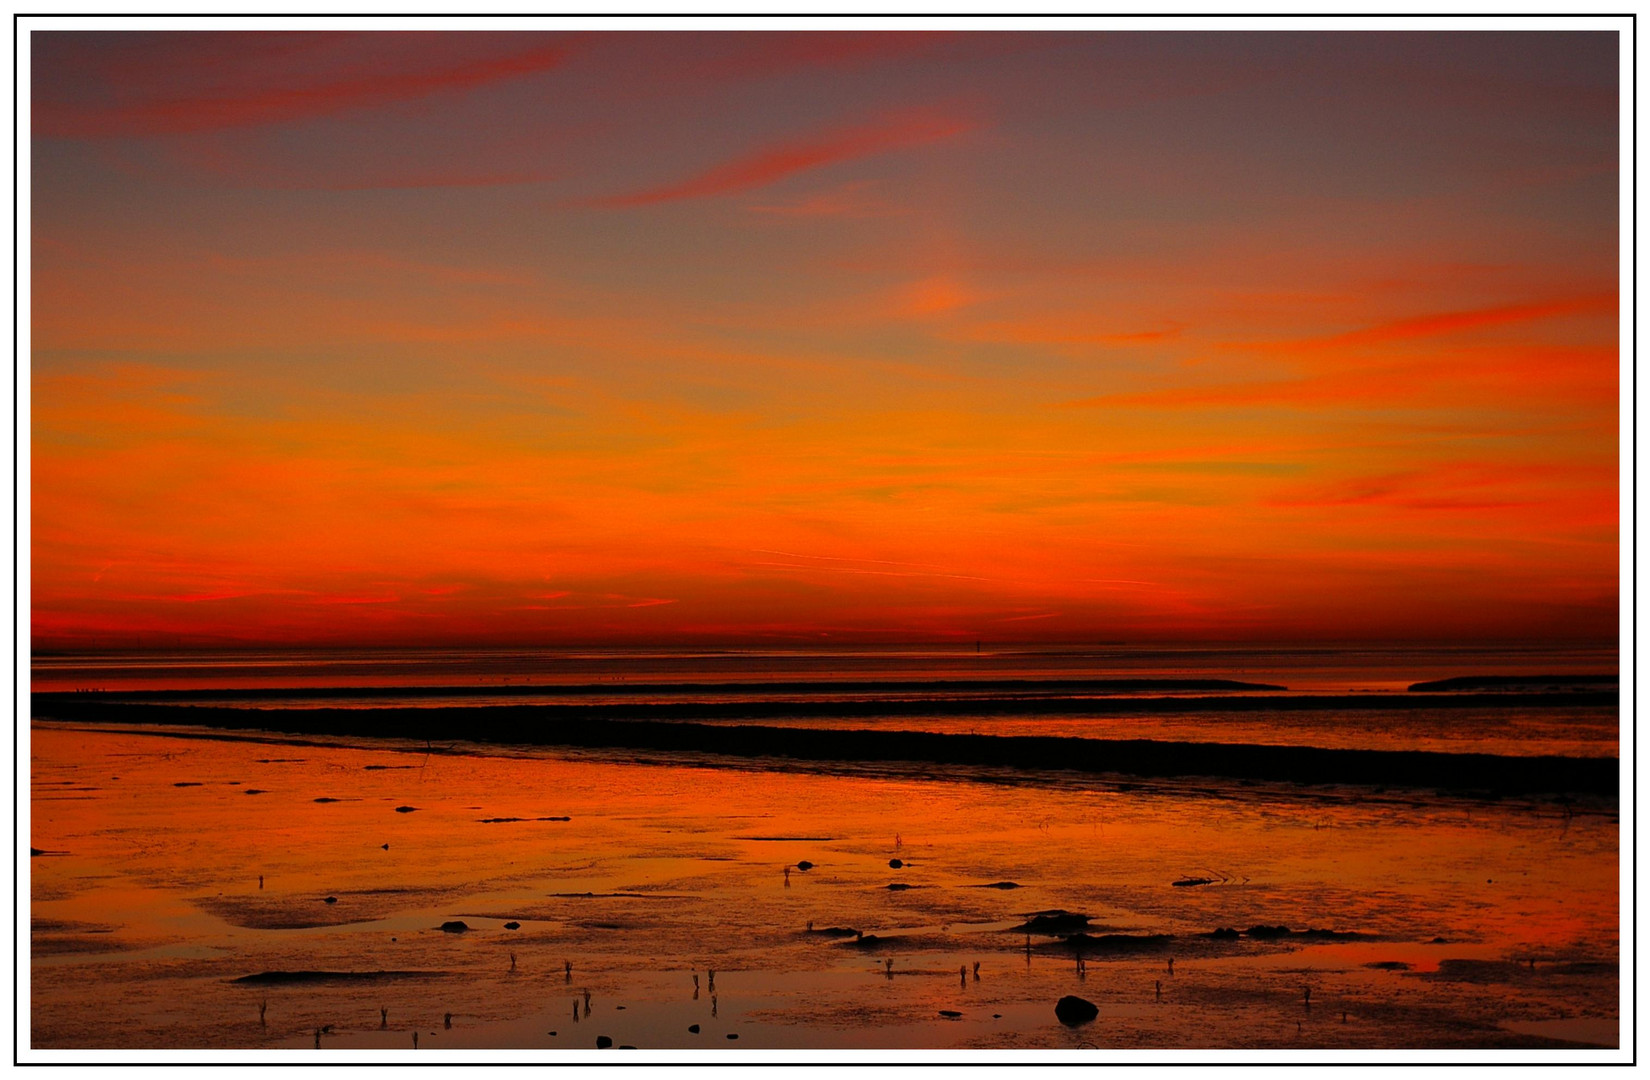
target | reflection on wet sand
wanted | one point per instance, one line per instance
(195, 916)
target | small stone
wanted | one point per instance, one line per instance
(731, 1035)
(405, 809)
(895, 864)
(694, 1028)
(512, 926)
(330, 900)
(1075, 1010)
(603, 1042)
(456, 926)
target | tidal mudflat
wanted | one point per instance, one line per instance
(253, 890)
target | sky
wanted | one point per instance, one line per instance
(461, 339)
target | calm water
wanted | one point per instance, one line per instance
(669, 869)
(1312, 669)
(177, 863)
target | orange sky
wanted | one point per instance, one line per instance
(649, 338)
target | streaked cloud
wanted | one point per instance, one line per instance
(156, 98)
(780, 161)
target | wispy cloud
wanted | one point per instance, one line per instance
(1451, 486)
(210, 105)
(1454, 322)
(1505, 375)
(772, 164)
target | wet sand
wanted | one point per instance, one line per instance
(146, 930)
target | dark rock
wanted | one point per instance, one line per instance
(325, 799)
(693, 1028)
(833, 931)
(187, 783)
(804, 865)
(255, 791)
(1052, 922)
(1225, 933)
(405, 809)
(1000, 885)
(1388, 965)
(1104, 944)
(731, 1035)
(329, 900)
(894, 864)
(626, 1046)
(898, 886)
(1265, 933)
(456, 926)
(1074, 1010)
(603, 1042)
(1184, 883)
(950, 1013)
(512, 926)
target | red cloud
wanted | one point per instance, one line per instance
(209, 105)
(1451, 322)
(787, 159)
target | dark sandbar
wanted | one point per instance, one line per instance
(1528, 683)
(279, 978)
(594, 727)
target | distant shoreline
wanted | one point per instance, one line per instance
(769, 686)
(1037, 697)
(591, 727)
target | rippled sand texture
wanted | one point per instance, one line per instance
(152, 912)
